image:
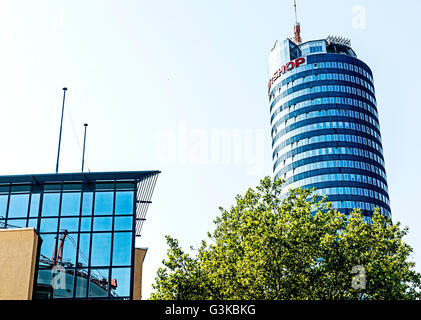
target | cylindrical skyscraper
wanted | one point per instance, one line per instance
(325, 127)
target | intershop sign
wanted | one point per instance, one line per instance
(288, 67)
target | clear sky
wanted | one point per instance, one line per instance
(181, 86)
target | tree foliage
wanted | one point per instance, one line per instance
(295, 248)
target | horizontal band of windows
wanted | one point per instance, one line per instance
(317, 74)
(331, 57)
(332, 157)
(87, 232)
(347, 188)
(339, 67)
(342, 174)
(352, 194)
(336, 166)
(326, 119)
(318, 84)
(367, 209)
(349, 89)
(75, 216)
(350, 197)
(322, 145)
(349, 127)
(323, 132)
(324, 176)
(327, 110)
(331, 95)
(325, 101)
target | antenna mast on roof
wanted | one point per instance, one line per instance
(61, 128)
(297, 28)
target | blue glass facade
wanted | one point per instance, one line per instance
(88, 223)
(325, 127)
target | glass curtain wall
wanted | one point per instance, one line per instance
(87, 232)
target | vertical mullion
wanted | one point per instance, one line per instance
(133, 240)
(88, 282)
(6, 218)
(112, 241)
(78, 241)
(29, 206)
(58, 229)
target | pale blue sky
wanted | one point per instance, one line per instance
(147, 75)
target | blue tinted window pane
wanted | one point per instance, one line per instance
(87, 204)
(104, 202)
(33, 223)
(99, 283)
(70, 204)
(45, 279)
(47, 248)
(103, 224)
(69, 249)
(85, 224)
(123, 223)
(81, 283)
(122, 249)
(69, 224)
(18, 206)
(34, 209)
(120, 282)
(20, 223)
(49, 225)
(50, 204)
(3, 205)
(124, 202)
(84, 244)
(125, 186)
(101, 249)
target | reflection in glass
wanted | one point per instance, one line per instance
(104, 203)
(50, 204)
(101, 249)
(81, 283)
(99, 283)
(19, 223)
(123, 223)
(69, 249)
(124, 202)
(120, 282)
(44, 289)
(84, 244)
(70, 204)
(47, 248)
(87, 203)
(18, 205)
(122, 249)
(34, 208)
(49, 225)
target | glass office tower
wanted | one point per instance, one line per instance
(325, 127)
(88, 223)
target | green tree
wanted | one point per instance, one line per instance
(295, 248)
